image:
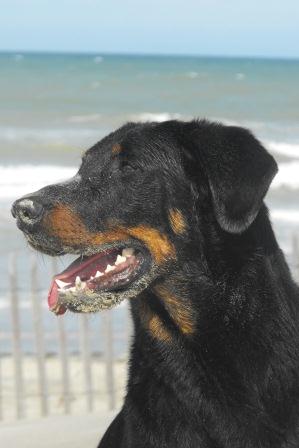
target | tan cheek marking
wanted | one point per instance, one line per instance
(63, 223)
(179, 311)
(177, 221)
(153, 324)
(157, 243)
(116, 149)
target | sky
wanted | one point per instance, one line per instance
(202, 27)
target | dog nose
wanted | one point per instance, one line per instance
(27, 211)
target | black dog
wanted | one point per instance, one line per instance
(171, 216)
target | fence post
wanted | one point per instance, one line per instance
(109, 358)
(295, 255)
(39, 339)
(1, 405)
(64, 360)
(129, 326)
(16, 337)
(86, 357)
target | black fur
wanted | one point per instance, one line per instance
(234, 381)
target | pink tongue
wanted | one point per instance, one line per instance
(53, 298)
(78, 267)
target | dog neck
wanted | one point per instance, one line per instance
(223, 325)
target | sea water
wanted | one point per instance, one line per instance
(53, 107)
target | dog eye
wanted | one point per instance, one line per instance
(128, 167)
(123, 167)
(121, 171)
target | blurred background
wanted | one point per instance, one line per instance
(72, 71)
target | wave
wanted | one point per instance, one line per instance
(98, 59)
(158, 117)
(285, 215)
(285, 149)
(97, 125)
(287, 176)
(45, 135)
(17, 180)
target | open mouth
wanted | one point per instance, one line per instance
(112, 270)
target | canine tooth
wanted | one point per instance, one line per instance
(98, 274)
(109, 268)
(127, 252)
(78, 281)
(119, 260)
(80, 286)
(61, 284)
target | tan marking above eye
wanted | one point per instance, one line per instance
(66, 225)
(116, 149)
(177, 221)
(178, 309)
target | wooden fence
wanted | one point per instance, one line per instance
(26, 378)
(42, 381)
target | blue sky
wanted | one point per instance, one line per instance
(208, 27)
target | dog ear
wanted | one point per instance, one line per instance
(239, 172)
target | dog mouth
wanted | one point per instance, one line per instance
(102, 278)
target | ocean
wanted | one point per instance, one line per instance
(53, 107)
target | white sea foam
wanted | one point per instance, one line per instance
(290, 216)
(158, 117)
(45, 135)
(239, 76)
(192, 75)
(17, 180)
(98, 59)
(287, 176)
(285, 149)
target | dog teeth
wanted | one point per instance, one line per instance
(78, 281)
(109, 268)
(79, 284)
(120, 260)
(61, 284)
(98, 274)
(128, 252)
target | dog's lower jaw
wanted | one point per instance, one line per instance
(89, 301)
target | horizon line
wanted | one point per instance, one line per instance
(146, 54)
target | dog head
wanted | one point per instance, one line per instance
(133, 211)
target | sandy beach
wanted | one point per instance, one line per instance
(79, 395)
(56, 432)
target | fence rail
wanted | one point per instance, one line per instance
(40, 381)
